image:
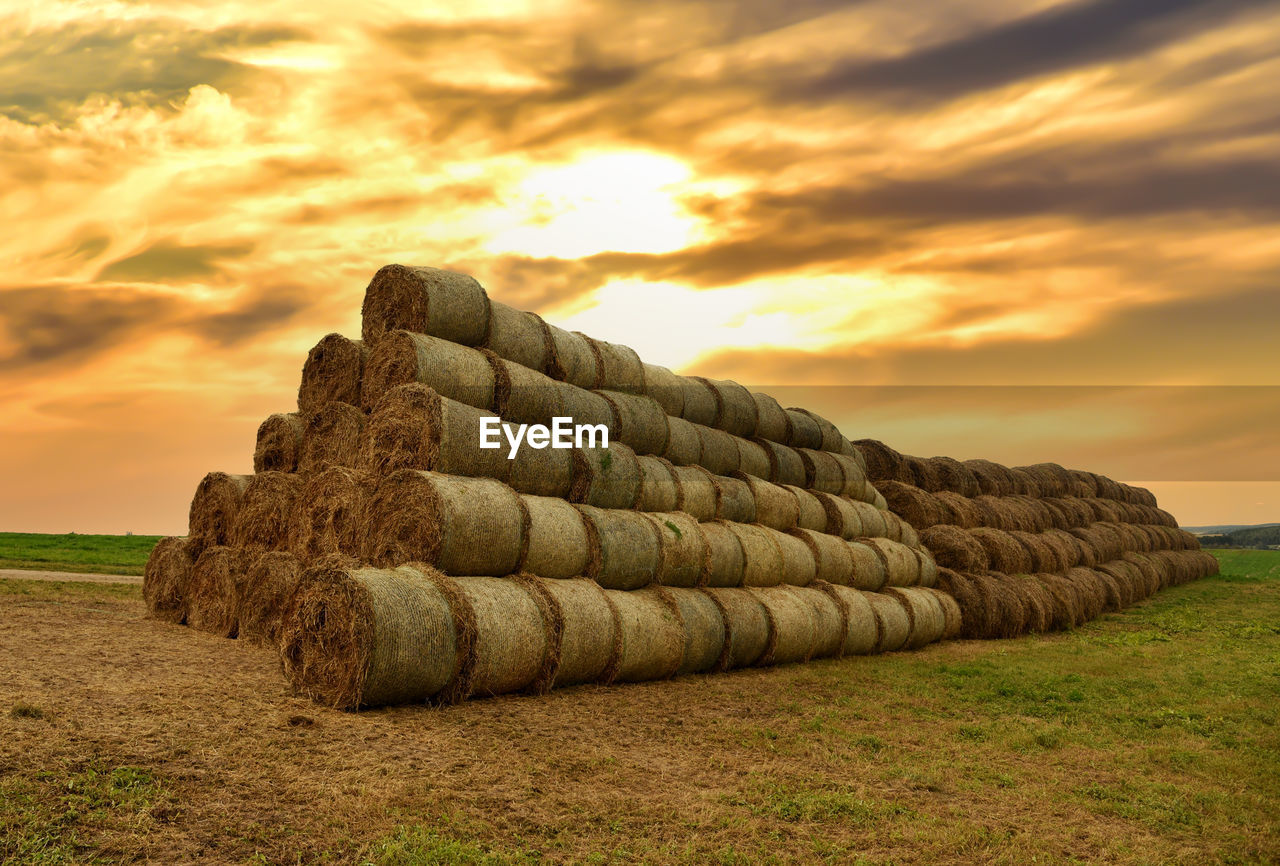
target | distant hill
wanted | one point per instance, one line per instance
(1222, 530)
(1262, 536)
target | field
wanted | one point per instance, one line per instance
(101, 554)
(1146, 736)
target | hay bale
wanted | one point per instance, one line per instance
(810, 513)
(332, 373)
(904, 531)
(329, 514)
(874, 519)
(666, 387)
(590, 639)
(557, 543)
(705, 631)
(717, 451)
(830, 619)
(953, 620)
(775, 506)
(772, 422)
(1068, 606)
(683, 551)
(700, 404)
(883, 463)
(895, 627)
(1024, 483)
(822, 471)
(414, 427)
(833, 562)
(455, 371)
(518, 336)
(605, 477)
(785, 464)
(954, 548)
(1152, 579)
(214, 509)
(762, 563)
(870, 573)
(726, 560)
(511, 645)
(165, 580)
(879, 501)
(861, 628)
(928, 566)
(1013, 616)
(1103, 510)
(1004, 552)
(266, 512)
(1092, 595)
(684, 446)
(1066, 549)
(1034, 513)
(954, 477)
(524, 396)
(993, 479)
(753, 459)
(1077, 511)
(212, 591)
(698, 494)
(444, 304)
(588, 407)
(618, 367)
(625, 546)
(923, 474)
(368, 637)
(912, 504)
(653, 636)
(901, 565)
(957, 510)
(640, 422)
(462, 526)
(804, 431)
(792, 630)
(736, 410)
(747, 624)
(279, 443)
(926, 619)
(842, 518)
(832, 439)
(333, 437)
(1043, 557)
(854, 477)
(974, 605)
(573, 360)
(269, 585)
(1037, 601)
(799, 565)
(659, 489)
(734, 501)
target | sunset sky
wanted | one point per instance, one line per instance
(838, 202)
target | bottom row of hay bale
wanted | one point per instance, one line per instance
(356, 637)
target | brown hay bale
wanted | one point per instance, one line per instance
(954, 548)
(268, 586)
(927, 619)
(572, 359)
(870, 572)
(1004, 552)
(928, 566)
(993, 479)
(462, 526)
(842, 518)
(747, 624)
(1084, 484)
(557, 544)
(792, 630)
(684, 447)
(1065, 547)
(1103, 510)
(736, 411)
(332, 373)
(762, 558)
(659, 490)
(901, 565)
(952, 619)
(212, 591)
(511, 635)
(923, 475)
(753, 459)
(165, 580)
(861, 627)
(1036, 601)
(1092, 594)
(891, 616)
(804, 431)
(455, 371)
(626, 549)
(973, 604)
(1152, 579)
(822, 471)
(810, 513)
(605, 477)
(1059, 517)
(590, 638)
(278, 443)
(214, 509)
(772, 421)
(912, 504)
(640, 422)
(666, 387)
(705, 631)
(1024, 483)
(329, 514)
(1013, 617)
(524, 396)
(734, 501)
(427, 301)
(683, 550)
(954, 477)
(799, 564)
(1107, 489)
(698, 493)
(1039, 515)
(1043, 557)
(883, 462)
(1077, 509)
(266, 512)
(895, 528)
(829, 621)
(1114, 591)
(958, 510)
(653, 636)
(775, 506)
(332, 437)
(1067, 611)
(518, 336)
(833, 561)
(726, 561)
(785, 464)
(718, 451)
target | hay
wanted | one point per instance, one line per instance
(879, 501)
(822, 471)
(589, 635)
(1004, 552)
(775, 506)
(329, 514)
(213, 510)
(1024, 483)
(1037, 601)
(523, 396)
(830, 619)
(455, 371)
(762, 563)
(736, 408)
(558, 544)
(1052, 479)
(1103, 510)
(802, 429)
(912, 504)
(799, 564)
(605, 477)
(952, 619)
(684, 446)
(718, 451)
(165, 580)
(639, 422)
(1107, 489)
(753, 458)
(444, 304)
(269, 585)
(925, 616)
(700, 402)
(626, 548)
(993, 479)
(734, 500)
(212, 591)
(519, 337)
(683, 551)
(974, 605)
(369, 637)
(659, 489)
(698, 496)
(873, 519)
(923, 474)
(842, 518)
(747, 624)
(901, 565)
(332, 373)
(853, 477)
(928, 566)
(666, 387)
(833, 440)
(1043, 556)
(1034, 513)
(618, 367)
(883, 463)
(772, 421)
(572, 359)
(899, 530)
(895, 627)
(462, 526)
(705, 631)
(785, 464)
(414, 427)
(652, 635)
(511, 635)
(266, 512)
(955, 548)
(1092, 595)
(792, 630)
(861, 627)
(869, 570)
(333, 437)
(726, 560)
(279, 443)
(810, 513)
(833, 563)
(954, 477)
(1011, 603)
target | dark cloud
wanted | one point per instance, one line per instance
(255, 313)
(168, 261)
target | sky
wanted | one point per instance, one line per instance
(1022, 231)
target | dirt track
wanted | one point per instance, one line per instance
(22, 574)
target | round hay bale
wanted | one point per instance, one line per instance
(279, 443)
(993, 479)
(792, 630)
(666, 387)
(701, 406)
(726, 561)
(212, 591)
(746, 624)
(772, 422)
(268, 587)
(524, 396)
(832, 439)
(329, 514)
(1052, 479)
(590, 639)
(833, 562)
(842, 518)
(762, 563)
(165, 580)
(705, 632)
(883, 463)
(1102, 510)
(463, 526)
(444, 304)
(588, 407)
(804, 431)
(1065, 548)
(1059, 517)
(214, 509)
(861, 627)
(785, 464)
(618, 367)
(1092, 593)
(891, 615)
(1153, 581)
(653, 637)
(266, 512)
(659, 489)
(829, 621)
(954, 548)
(878, 500)
(332, 373)
(958, 510)
(799, 564)
(641, 423)
(734, 501)
(1024, 483)
(1037, 513)
(901, 565)
(605, 477)
(1107, 489)
(753, 459)
(1057, 601)
(332, 437)
(972, 602)
(912, 504)
(736, 411)
(455, 371)
(626, 549)
(683, 550)
(1079, 512)
(684, 447)
(1004, 552)
(369, 637)
(928, 566)
(1083, 484)
(822, 471)
(870, 573)
(874, 519)
(923, 475)
(511, 635)
(775, 506)
(1043, 557)
(1013, 616)
(906, 534)
(952, 619)
(698, 493)
(572, 359)
(954, 477)
(557, 544)
(1038, 601)
(518, 336)
(718, 451)
(810, 513)
(925, 615)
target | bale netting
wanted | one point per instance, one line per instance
(775, 506)
(463, 526)
(914, 505)
(214, 509)
(518, 336)
(659, 489)
(618, 367)
(699, 496)
(772, 421)
(762, 563)
(734, 500)
(332, 373)
(455, 371)
(558, 544)
(736, 409)
(514, 647)
(861, 626)
(705, 631)
(901, 565)
(869, 570)
(332, 437)
(793, 631)
(746, 624)
(639, 422)
(357, 637)
(329, 514)
(524, 396)
(266, 512)
(605, 477)
(726, 560)
(279, 443)
(682, 549)
(443, 304)
(590, 641)
(625, 547)
(833, 562)
(1003, 550)
(925, 615)
(212, 591)
(652, 635)
(269, 584)
(785, 463)
(895, 627)
(803, 430)
(954, 548)
(166, 578)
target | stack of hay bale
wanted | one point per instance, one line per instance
(392, 559)
(1035, 548)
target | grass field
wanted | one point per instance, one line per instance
(1147, 736)
(101, 554)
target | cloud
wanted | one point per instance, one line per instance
(168, 261)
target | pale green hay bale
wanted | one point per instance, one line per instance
(700, 403)
(268, 586)
(332, 373)
(832, 439)
(414, 427)
(573, 359)
(518, 336)
(793, 630)
(166, 578)
(704, 630)
(810, 513)
(953, 620)
(540, 472)
(761, 556)
(212, 600)
(455, 371)
(726, 560)
(895, 628)
(879, 501)
(775, 506)
(444, 304)
(511, 642)
(829, 622)
(684, 447)
(588, 407)
(640, 422)
(869, 570)
(605, 477)
(618, 367)
(698, 495)
(895, 528)
(804, 430)
(872, 517)
(659, 490)
(748, 625)
(785, 464)
(666, 387)
(907, 535)
(799, 564)
(843, 519)
(855, 478)
(772, 422)
(926, 619)
(902, 567)
(822, 471)
(214, 509)
(333, 436)
(928, 567)
(524, 396)
(626, 549)
(329, 514)
(279, 443)
(734, 501)
(862, 627)
(558, 544)
(736, 408)
(718, 451)
(589, 635)
(652, 635)
(683, 551)
(753, 459)
(833, 562)
(266, 512)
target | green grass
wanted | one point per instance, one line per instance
(101, 554)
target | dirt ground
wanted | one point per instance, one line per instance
(22, 574)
